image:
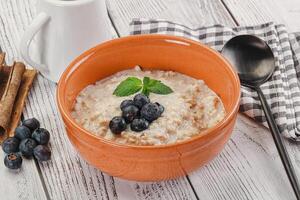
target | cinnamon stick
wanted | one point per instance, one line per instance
(2, 60)
(24, 89)
(3, 75)
(9, 96)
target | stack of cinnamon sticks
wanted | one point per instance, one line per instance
(15, 83)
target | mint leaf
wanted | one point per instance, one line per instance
(145, 91)
(128, 87)
(146, 81)
(158, 87)
(155, 86)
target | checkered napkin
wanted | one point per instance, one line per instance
(282, 91)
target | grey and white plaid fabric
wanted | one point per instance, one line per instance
(282, 91)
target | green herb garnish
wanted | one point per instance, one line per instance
(132, 85)
(128, 87)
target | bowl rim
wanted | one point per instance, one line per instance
(228, 117)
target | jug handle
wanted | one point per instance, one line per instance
(33, 28)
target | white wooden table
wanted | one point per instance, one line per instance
(248, 168)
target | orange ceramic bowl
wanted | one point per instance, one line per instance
(150, 163)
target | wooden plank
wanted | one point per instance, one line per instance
(23, 184)
(256, 11)
(174, 190)
(249, 166)
(192, 13)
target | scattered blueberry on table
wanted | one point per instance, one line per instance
(13, 161)
(31, 123)
(11, 145)
(22, 132)
(138, 113)
(42, 153)
(41, 135)
(26, 147)
(29, 141)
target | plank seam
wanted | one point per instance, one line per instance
(113, 23)
(229, 12)
(193, 189)
(42, 179)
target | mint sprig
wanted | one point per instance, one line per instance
(128, 87)
(132, 85)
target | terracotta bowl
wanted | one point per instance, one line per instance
(150, 163)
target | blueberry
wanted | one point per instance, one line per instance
(41, 135)
(161, 107)
(31, 123)
(13, 161)
(139, 125)
(26, 147)
(42, 153)
(126, 103)
(117, 125)
(22, 132)
(129, 113)
(11, 145)
(140, 100)
(150, 112)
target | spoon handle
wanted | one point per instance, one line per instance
(279, 144)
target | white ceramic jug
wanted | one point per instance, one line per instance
(65, 28)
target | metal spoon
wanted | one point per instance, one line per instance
(254, 62)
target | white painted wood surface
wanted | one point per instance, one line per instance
(191, 13)
(24, 184)
(248, 168)
(256, 11)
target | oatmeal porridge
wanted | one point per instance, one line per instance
(185, 112)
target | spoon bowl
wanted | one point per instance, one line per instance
(252, 58)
